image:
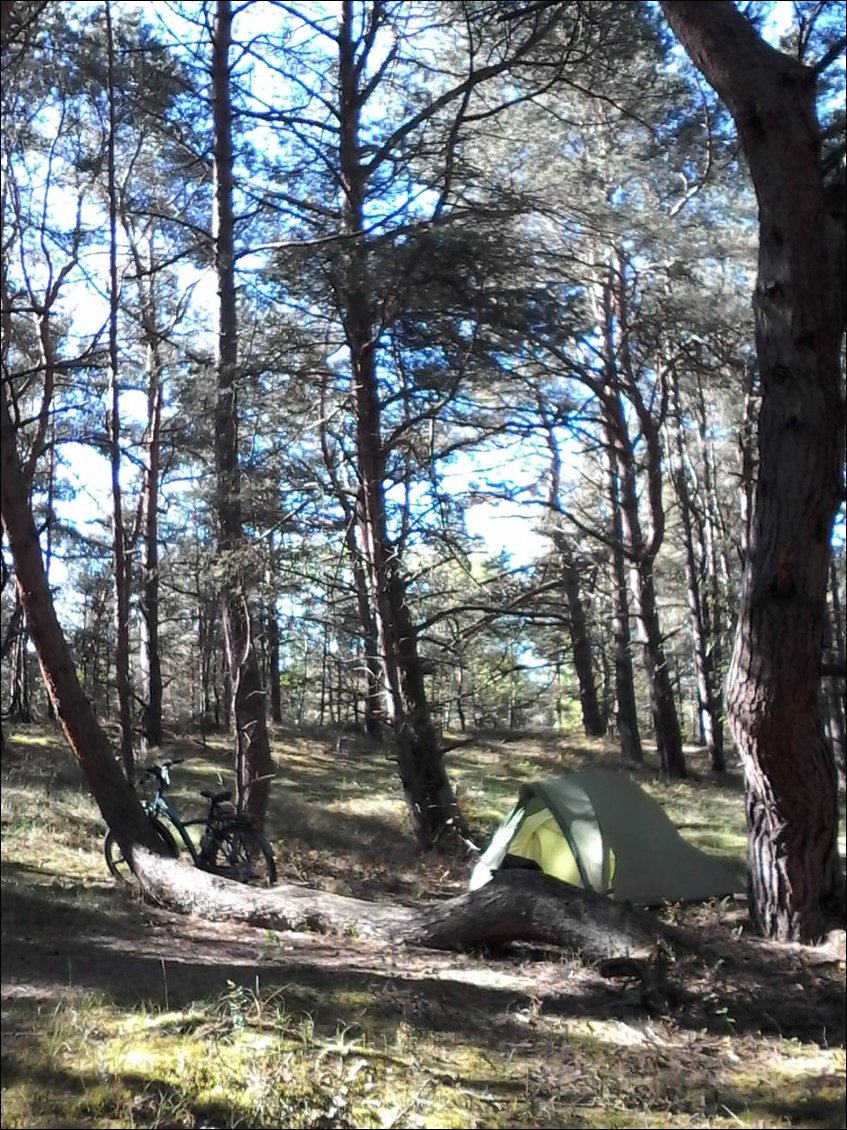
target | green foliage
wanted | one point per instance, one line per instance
(486, 219)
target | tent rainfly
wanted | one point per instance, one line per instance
(599, 830)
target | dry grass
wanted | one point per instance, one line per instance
(118, 1015)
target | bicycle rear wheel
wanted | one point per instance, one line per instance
(116, 861)
(243, 855)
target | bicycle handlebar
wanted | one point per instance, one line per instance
(159, 769)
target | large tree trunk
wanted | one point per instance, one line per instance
(429, 796)
(790, 779)
(253, 764)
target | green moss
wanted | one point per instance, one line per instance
(806, 1089)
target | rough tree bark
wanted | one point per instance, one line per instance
(747, 458)
(253, 764)
(799, 304)
(516, 906)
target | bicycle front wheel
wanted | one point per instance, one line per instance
(241, 854)
(118, 864)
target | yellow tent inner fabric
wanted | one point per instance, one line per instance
(539, 839)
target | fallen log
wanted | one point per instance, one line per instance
(517, 906)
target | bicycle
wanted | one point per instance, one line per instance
(229, 846)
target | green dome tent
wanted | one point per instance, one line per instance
(598, 829)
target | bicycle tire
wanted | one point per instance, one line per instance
(118, 866)
(242, 854)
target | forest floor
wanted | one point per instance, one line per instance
(117, 1014)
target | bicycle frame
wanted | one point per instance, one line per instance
(160, 806)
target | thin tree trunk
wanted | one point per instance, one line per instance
(49, 522)
(717, 579)
(702, 624)
(151, 720)
(641, 550)
(274, 674)
(626, 537)
(206, 644)
(747, 445)
(837, 685)
(697, 625)
(593, 721)
(272, 640)
(120, 556)
(151, 661)
(582, 653)
(799, 300)
(662, 701)
(370, 644)
(20, 708)
(626, 716)
(253, 765)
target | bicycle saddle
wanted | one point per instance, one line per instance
(218, 797)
